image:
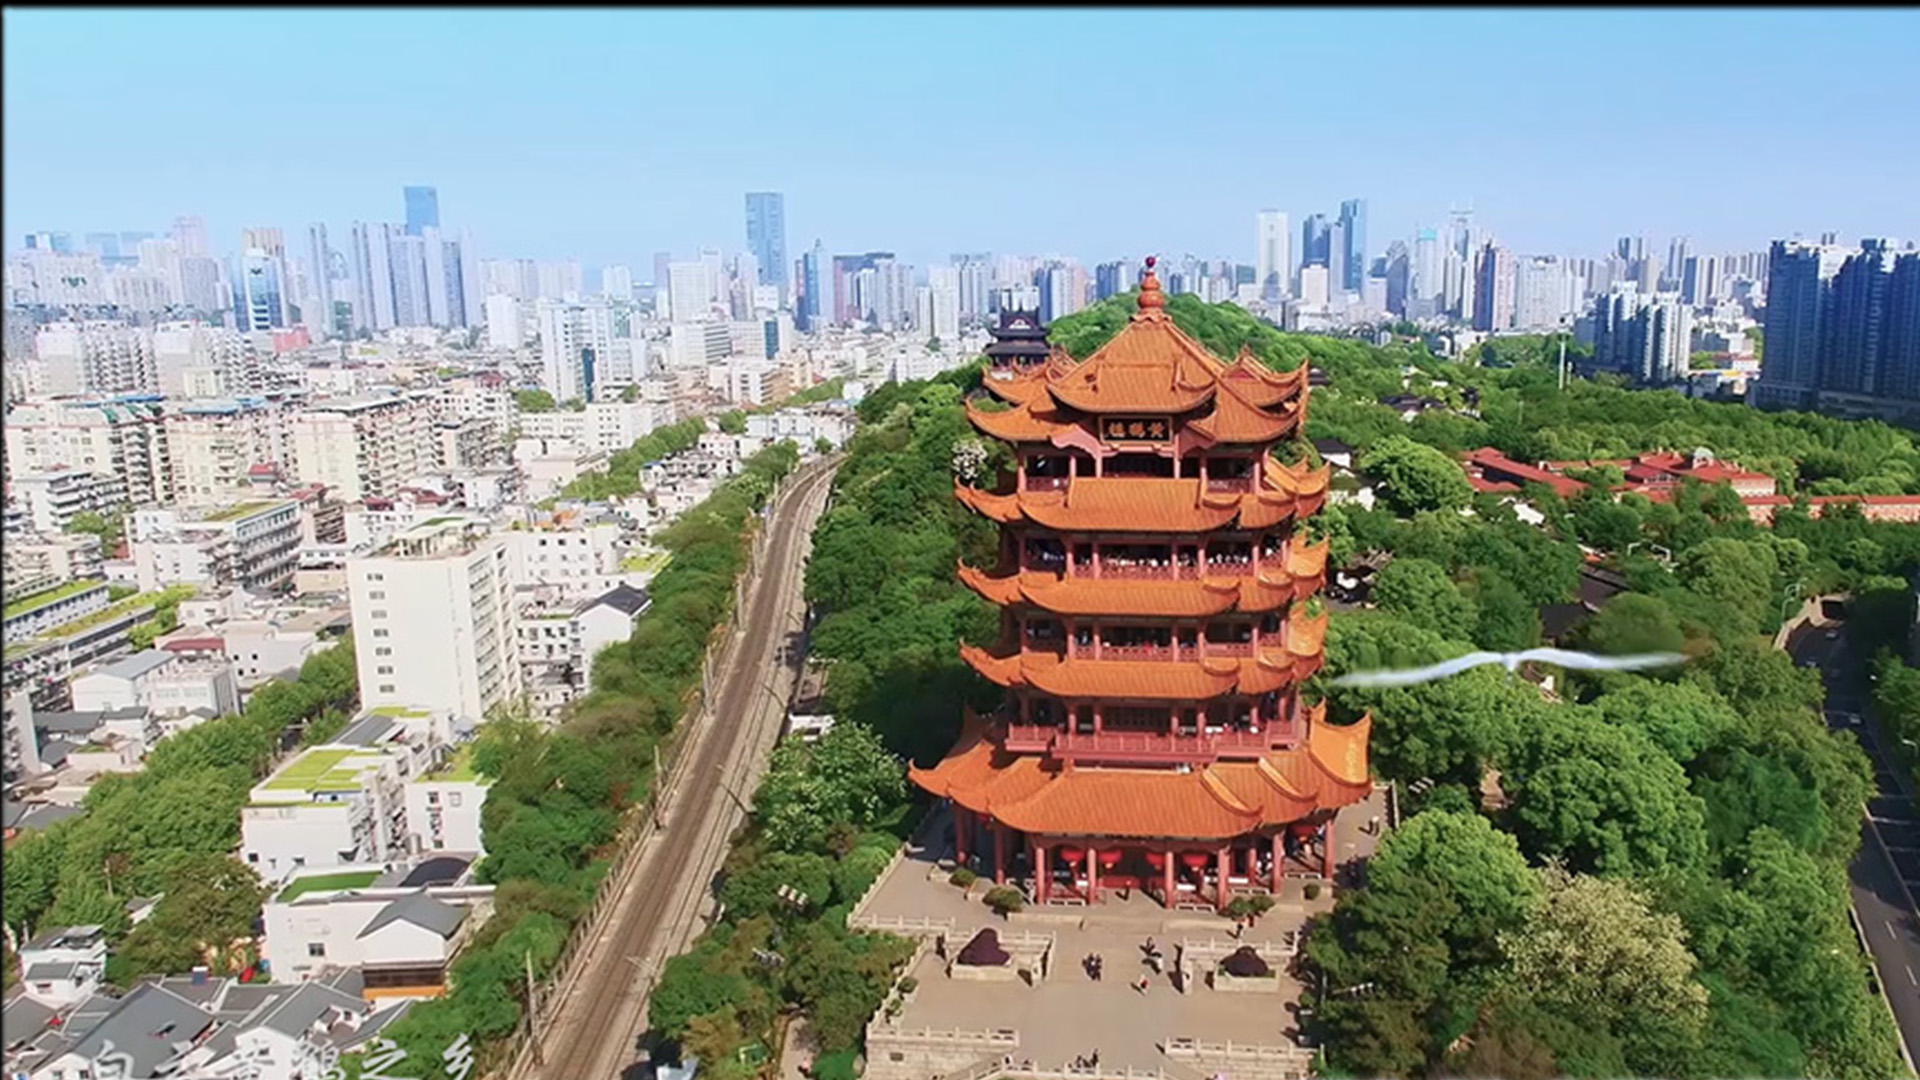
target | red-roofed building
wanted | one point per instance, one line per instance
(1151, 581)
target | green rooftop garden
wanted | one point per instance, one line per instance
(345, 879)
(322, 769)
(458, 768)
(232, 513)
(36, 601)
(395, 710)
(172, 594)
(642, 562)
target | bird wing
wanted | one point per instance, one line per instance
(1594, 662)
(1411, 676)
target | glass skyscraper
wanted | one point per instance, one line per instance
(423, 209)
(1353, 219)
(767, 236)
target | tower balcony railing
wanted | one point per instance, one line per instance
(1046, 483)
(1133, 652)
(1230, 483)
(1148, 572)
(1227, 648)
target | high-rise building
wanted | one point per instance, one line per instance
(1316, 234)
(370, 261)
(1646, 337)
(1700, 280)
(435, 609)
(423, 209)
(407, 256)
(849, 304)
(1493, 289)
(616, 283)
(1900, 368)
(1140, 741)
(976, 285)
(1677, 256)
(1353, 222)
(1399, 278)
(813, 285)
(1799, 298)
(689, 291)
(1854, 334)
(767, 237)
(259, 297)
(1273, 255)
(319, 281)
(503, 322)
(1542, 296)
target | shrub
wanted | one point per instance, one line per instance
(963, 877)
(1005, 899)
(909, 984)
(1313, 890)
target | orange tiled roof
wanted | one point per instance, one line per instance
(1156, 505)
(1221, 800)
(1152, 680)
(1164, 599)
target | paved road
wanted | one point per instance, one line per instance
(1886, 874)
(594, 1032)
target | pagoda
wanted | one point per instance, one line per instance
(1153, 585)
(1019, 342)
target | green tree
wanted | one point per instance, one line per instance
(534, 401)
(1605, 799)
(1507, 620)
(1596, 950)
(210, 901)
(1413, 477)
(1419, 592)
(1634, 623)
(848, 777)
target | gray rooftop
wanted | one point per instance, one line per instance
(367, 731)
(140, 663)
(51, 972)
(421, 910)
(623, 598)
(146, 1026)
(23, 1018)
(295, 1014)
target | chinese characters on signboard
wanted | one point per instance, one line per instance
(1123, 429)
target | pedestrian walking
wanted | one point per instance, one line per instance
(1145, 981)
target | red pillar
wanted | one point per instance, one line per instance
(1279, 854)
(999, 854)
(1326, 849)
(1093, 875)
(1171, 895)
(1043, 873)
(1221, 888)
(960, 834)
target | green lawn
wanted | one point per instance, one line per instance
(396, 710)
(35, 601)
(459, 767)
(654, 561)
(324, 769)
(346, 879)
(174, 593)
(244, 509)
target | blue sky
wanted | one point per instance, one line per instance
(612, 134)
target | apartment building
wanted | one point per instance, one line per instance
(52, 558)
(578, 556)
(254, 545)
(53, 499)
(802, 426)
(213, 445)
(123, 439)
(344, 802)
(365, 446)
(34, 613)
(608, 426)
(101, 356)
(558, 639)
(162, 682)
(433, 619)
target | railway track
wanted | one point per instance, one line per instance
(594, 1032)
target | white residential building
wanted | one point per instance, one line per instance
(559, 639)
(345, 803)
(62, 966)
(96, 357)
(121, 439)
(254, 545)
(53, 499)
(400, 937)
(166, 684)
(368, 446)
(212, 445)
(433, 619)
(607, 426)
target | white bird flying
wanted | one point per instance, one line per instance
(1511, 661)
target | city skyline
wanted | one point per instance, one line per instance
(534, 173)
